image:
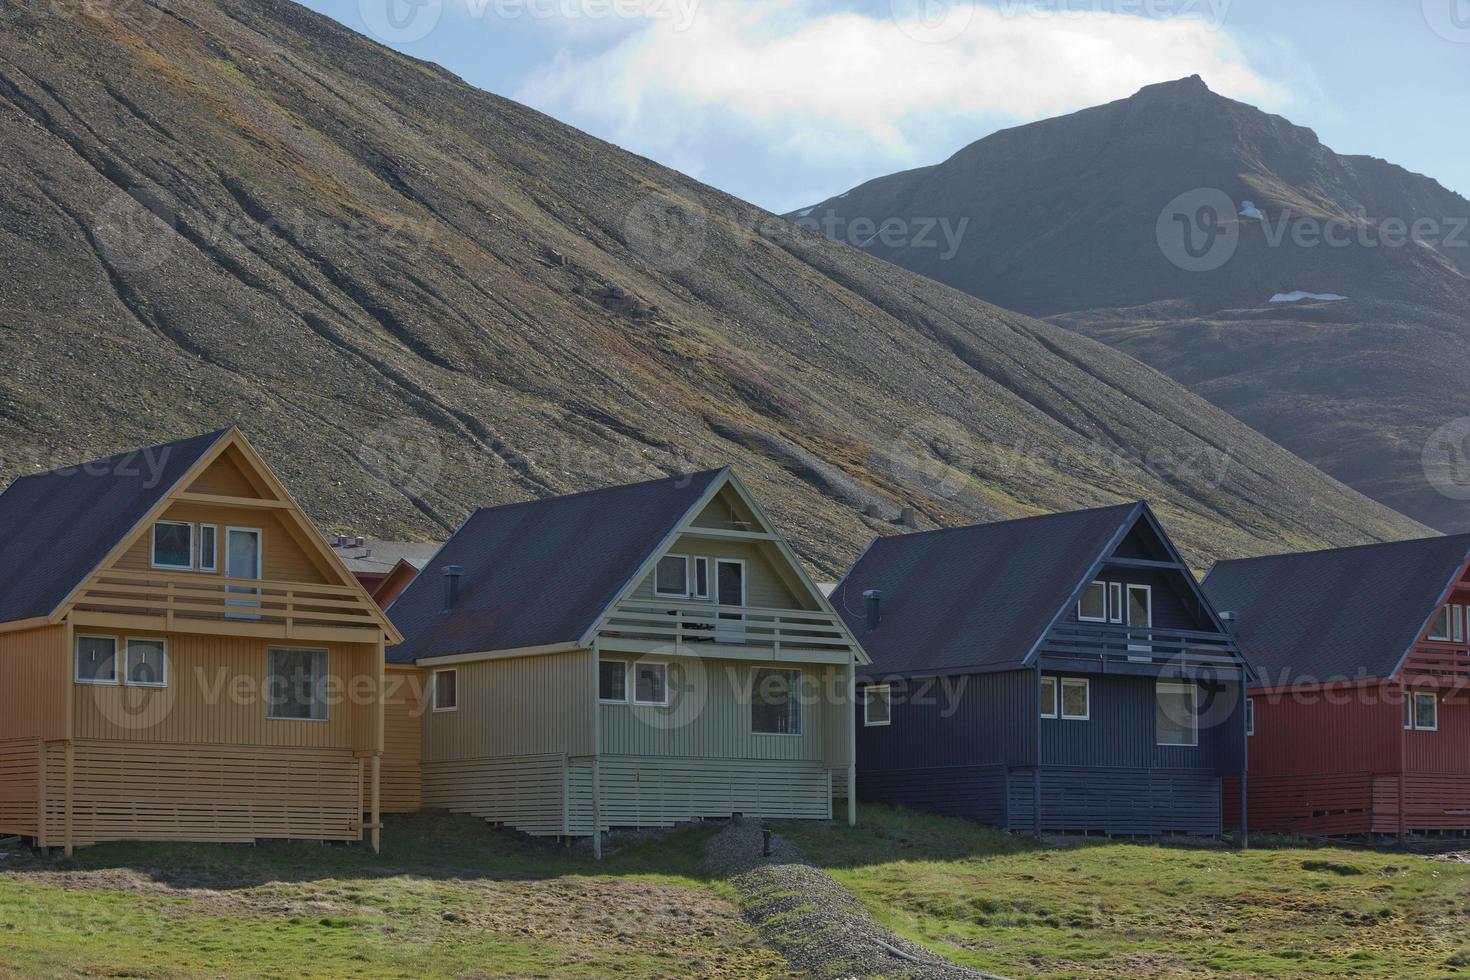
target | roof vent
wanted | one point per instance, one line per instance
(452, 575)
(875, 608)
(341, 540)
(909, 518)
(361, 542)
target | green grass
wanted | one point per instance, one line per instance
(1008, 905)
(448, 897)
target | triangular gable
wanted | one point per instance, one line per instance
(1459, 579)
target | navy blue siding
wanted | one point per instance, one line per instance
(967, 720)
(975, 792)
(1119, 801)
(1174, 605)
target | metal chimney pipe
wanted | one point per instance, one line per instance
(452, 575)
(875, 608)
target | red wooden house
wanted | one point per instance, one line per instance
(1360, 713)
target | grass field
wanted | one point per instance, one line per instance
(995, 902)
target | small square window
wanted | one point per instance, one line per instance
(1075, 706)
(612, 681)
(1426, 711)
(1093, 606)
(208, 548)
(877, 706)
(671, 576)
(1250, 716)
(173, 545)
(775, 702)
(96, 660)
(147, 662)
(1048, 697)
(1440, 628)
(651, 684)
(446, 690)
(296, 685)
(1176, 714)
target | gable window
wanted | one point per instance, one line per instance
(1093, 606)
(1421, 711)
(147, 663)
(612, 681)
(1075, 701)
(877, 706)
(1115, 602)
(96, 660)
(295, 684)
(701, 578)
(671, 577)
(1439, 629)
(1250, 716)
(1457, 623)
(1048, 697)
(651, 684)
(446, 690)
(173, 545)
(775, 701)
(208, 548)
(1176, 713)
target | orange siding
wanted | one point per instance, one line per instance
(225, 476)
(283, 559)
(20, 766)
(37, 669)
(402, 775)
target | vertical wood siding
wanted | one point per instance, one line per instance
(1310, 733)
(1122, 729)
(516, 707)
(969, 720)
(37, 683)
(764, 586)
(282, 558)
(402, 775)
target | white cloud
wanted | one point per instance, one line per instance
(816, 85)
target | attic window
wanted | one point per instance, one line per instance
(671, 577)
(173, 545)
(1440, 629)
(1093, 606)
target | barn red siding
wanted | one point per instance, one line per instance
(1310, 732)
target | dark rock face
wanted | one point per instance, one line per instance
(417, 298)
(1082, 219)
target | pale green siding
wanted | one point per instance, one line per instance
(764, 586)
(517, 706)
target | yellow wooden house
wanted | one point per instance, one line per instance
(184, 657)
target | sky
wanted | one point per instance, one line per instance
(787, 102)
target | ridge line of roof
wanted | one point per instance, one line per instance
(1345, 548)
(497, 508)
(1010, 520)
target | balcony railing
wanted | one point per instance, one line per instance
(1087, 641)
(674, 623)
(173, 601)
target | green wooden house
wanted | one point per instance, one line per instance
(632, 657)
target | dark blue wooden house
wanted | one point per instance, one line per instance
(1060, 673)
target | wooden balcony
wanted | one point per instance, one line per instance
(1081, 642)
(680, 628)
(210, 604)
(1446, 661)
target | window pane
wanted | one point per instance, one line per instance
(877, 706)
(171, 545)
(96, 659)
(1441, 628)
(671, 576)
(1094, 604)
(701, 577)
(1074, 699)
(651, 684)
(1408, 711)
(1250, 716)
(146, 662)
(1426, 714)
(775, 705)
(612, 680)
(1175, 715)
(1048, 697)
(294, 685)
(1115, 602)
(208, 536)
(446, 691)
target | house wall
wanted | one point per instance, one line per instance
(32, 709)
(1170, 610)
(402, 769)
(283, 559)
(1301, 733)
(764, 586)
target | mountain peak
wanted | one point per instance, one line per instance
(1193, 86)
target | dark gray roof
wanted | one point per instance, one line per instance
(56, 527)
(380, 556)
(1340, 614)
(541, 572)
(974, 597)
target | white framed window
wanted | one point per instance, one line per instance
(1048, 697)
(1421, 711)
(1093, 606)
(700, 585)
(1457, 623)
(1439, 629)
(446, 690)
(173, 545)
(612, 682)
(1076, 699)
(1176, 713)
(146, 662)
(208, 548)
(651, 684)
(1115, 602)
(295, 684)
(671, 577)
(1250, 716)
(877, 706)
(96, 660)
(775, 701)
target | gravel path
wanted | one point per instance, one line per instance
(817, 925)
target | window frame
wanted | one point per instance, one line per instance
(659, 594)
(1095, 584)
(1457, 622)
(627, 692)
(697, 563)
(1193, 690)
(1414, 699)
(153, 545)
(868, 722)
(1442, 615)
(1056, 690)
(794, 699)
(326, 672)
(76, 676)
(1062, 684)
(127, 661)
(632, 688)
(1115, 603)
(438, 708)
(1250, 717)
(213, 566)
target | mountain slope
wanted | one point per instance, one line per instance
(418, 297)
(1079, 219)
